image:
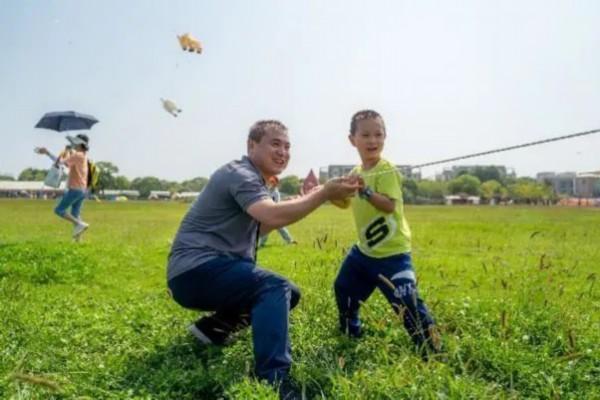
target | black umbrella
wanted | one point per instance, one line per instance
(66, 121)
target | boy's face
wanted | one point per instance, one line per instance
(369, 139)
(271, 154)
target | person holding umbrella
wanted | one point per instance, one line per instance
(75, 158)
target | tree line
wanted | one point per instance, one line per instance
(519, 190)
(485, 182)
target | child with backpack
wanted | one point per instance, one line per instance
(80, 178)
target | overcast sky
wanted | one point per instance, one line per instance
(449, 77)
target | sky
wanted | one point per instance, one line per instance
(450, 78)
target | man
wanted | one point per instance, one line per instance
(212, 264)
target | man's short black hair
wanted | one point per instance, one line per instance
(260, 128)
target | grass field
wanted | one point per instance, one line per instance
(514, 290)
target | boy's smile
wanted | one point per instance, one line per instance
(369, 140)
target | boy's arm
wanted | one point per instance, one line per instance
(384, 196)
(382, 202)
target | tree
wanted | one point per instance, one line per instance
(434, 190)
(409, 190)
(33, 174)
(145, 185)
(468, 184)
(6, 177)
(194, 185)
(171, 186)
(491, 189)
(290, 184)
(106, 179)
(527, 190)
(121, 183)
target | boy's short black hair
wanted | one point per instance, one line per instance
(362, 115)
(260, 128)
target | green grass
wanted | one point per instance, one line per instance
(513, 289)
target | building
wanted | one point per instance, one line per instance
(562, 183)
(186, 196)
(587, 185)
(30, 189)
(339, 170)
(114, 194)
(309, 182)
(462, 199)
(159, 195)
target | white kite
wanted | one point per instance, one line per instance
(170, 107)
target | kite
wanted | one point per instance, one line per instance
(190, 43)
(170, 107)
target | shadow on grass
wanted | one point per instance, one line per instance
(179, 370)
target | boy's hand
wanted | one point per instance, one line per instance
(340, 188)
(356, 179)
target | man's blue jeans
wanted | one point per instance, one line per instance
(235, 287)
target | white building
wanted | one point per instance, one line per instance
(30, 189)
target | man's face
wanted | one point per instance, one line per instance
(271, 154)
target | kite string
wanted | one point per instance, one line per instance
(538, 142)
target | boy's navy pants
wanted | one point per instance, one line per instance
(395, 277)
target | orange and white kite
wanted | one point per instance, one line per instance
(190, 43)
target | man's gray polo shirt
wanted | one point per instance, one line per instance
(217, 223)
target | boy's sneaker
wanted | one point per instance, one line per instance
(207, 333)
(431, 348)
(79, 228)
(350, 328)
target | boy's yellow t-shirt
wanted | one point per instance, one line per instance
(380, 234)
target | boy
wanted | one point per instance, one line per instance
(381, 258)
(75, 158)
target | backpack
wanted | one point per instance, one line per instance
(92, 176)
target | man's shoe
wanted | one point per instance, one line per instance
(288, 390)
(206, 333)
(198, 334)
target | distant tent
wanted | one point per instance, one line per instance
(309, 182)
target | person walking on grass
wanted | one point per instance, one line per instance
(75, 158)
(381, 258)
(272, 183)
(212, 263)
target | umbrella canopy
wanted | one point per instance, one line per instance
(66, 121)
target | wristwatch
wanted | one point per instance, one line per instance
(365, 193)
